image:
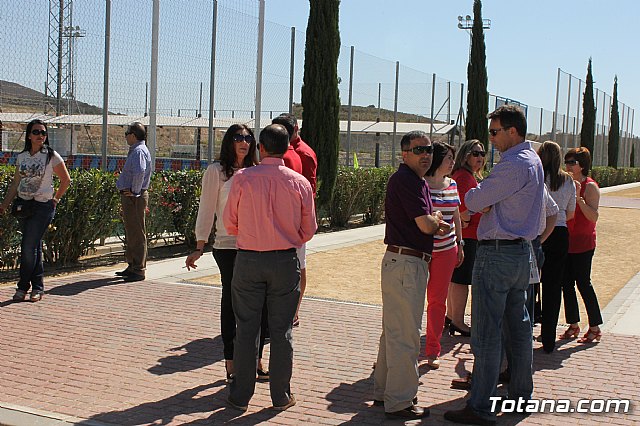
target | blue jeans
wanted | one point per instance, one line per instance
(33, 229)
(500, 283)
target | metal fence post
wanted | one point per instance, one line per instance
(555, 112)
(292, 68)
(105, 84)
(153, 110)
(212, 85)
(395, 118)
(259, 69)
(350, 106)
(433, 101)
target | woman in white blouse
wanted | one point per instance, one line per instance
(238, 151)
(33, 182)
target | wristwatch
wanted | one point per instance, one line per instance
(460, 243)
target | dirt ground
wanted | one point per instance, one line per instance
(353, 274)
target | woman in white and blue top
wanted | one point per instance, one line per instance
(447, 249)
(33, 181)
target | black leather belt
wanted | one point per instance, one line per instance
(498, 243)
(290, 250)
(409, 252)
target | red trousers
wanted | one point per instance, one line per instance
(440, 270)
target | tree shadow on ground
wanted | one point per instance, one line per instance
(73, 289)
(192, 356)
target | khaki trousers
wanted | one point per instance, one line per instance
(133, 215)
(404, 283)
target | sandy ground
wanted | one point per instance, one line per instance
(353, 274)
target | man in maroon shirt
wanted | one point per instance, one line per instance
(309, 168)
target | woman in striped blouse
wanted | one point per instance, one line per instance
(447, 250)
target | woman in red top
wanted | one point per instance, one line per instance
(466, 172)
(582, 244)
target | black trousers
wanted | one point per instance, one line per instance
(555, 248)
(578, 272)
(226, 260)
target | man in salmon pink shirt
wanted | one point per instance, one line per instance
(270, 209)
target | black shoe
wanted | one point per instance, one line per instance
(124, 273)
(467, 416)
(236, 405)
(133, 277)
(504, 377)
(380, 402)
(410, 413)
(453, 329)
(447, 322)
(262, 375)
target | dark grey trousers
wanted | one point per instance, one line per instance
(274, 276)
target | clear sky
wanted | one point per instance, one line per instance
(527, 43)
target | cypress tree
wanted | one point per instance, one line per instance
(614, 128)
(588, 131)
(320, 96)
(477, 95)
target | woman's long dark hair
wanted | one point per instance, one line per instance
(27, 138)
(228, 150)
(551, 157)
(440, 150)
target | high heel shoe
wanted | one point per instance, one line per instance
(590, 336)
(571, 332)
(453, 329)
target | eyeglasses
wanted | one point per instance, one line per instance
(247, 138)
(422, 149)
(494, 132)
(478, 153)
(570, 162)
(37, 132)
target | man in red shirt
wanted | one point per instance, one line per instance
(270, 209)
(309, 168)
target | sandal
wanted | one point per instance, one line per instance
(590, 336)
(571, 332)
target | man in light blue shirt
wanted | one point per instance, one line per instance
(133, 183)
(511, 198)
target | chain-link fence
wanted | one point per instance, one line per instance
(208, 66)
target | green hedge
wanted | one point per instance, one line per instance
(608, 176)
(91, 208)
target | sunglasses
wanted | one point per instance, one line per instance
(37, 132)
(570, 162)
(422, 149)
(247, 138)
(494, 132)
(128, 132)
(478, 153)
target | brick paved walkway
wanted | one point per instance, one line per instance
(150, 353)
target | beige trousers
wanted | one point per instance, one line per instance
(133, 217)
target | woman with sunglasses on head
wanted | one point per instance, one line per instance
(35, 167)
(447, 249)
(582, 245)
(556, 245)
(238, 151)
(467, 171)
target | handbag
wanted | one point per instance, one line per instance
(22, 208)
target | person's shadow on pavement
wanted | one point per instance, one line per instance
(73, 289)
(190, 356)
